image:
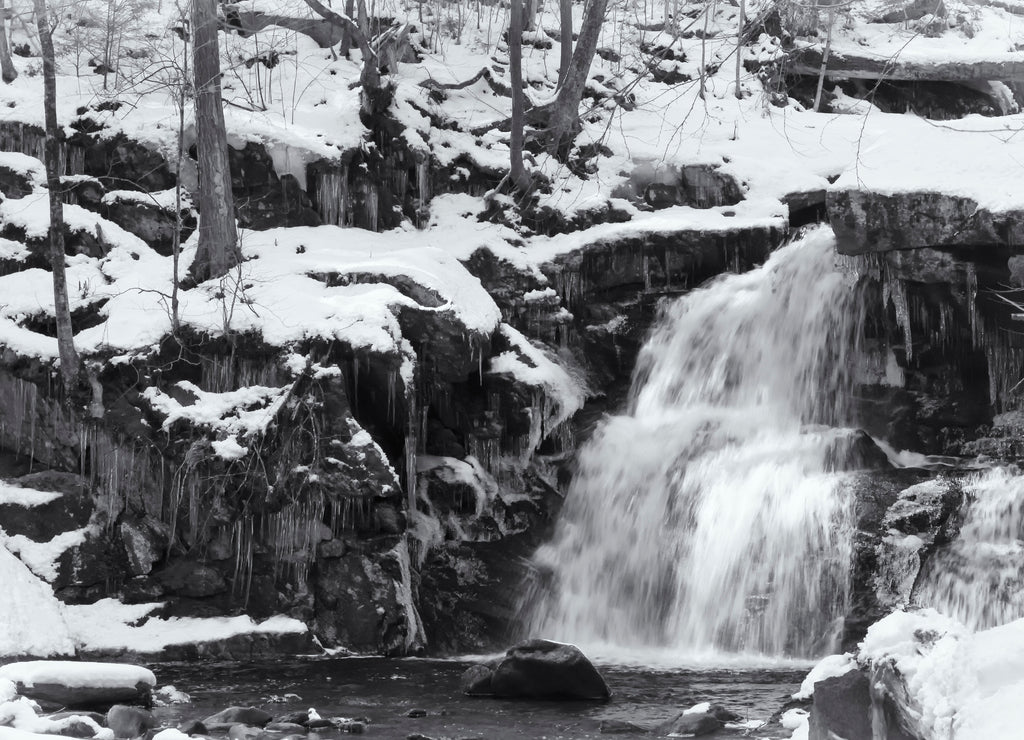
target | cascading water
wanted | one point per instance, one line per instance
(707, 520)
(978, 578)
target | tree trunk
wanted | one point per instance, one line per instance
(7, 70)
(563, 121)
(739, 47)
(218, 238)
(517, 170)
(565, 58)
(65, 336)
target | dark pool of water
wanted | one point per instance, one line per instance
(383, 691)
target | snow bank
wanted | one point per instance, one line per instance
(108, 625)
(74, 674)
(964, 686)
(31, 618)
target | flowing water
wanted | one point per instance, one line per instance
(383, 692)
(707, 520)
(979, 577)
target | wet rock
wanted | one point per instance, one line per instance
(842, 708)
(244, 732)
(619, 727)
(77, 728)
(476, 681)
(144, 539)
(539, 669)
(80, 684)
(354, 728)
(416, 713)
(129, 722)
(193, 727)
(192, 579)
(225, 718)
(318, 723)
(691, 723)
(14, 183)
(873, 222)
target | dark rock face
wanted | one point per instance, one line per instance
(872, 222)
(538, 669)
(86, 697)
(842, 708)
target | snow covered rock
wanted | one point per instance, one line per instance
(540, 669)
(80, 684)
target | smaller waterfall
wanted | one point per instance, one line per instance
(979, 577)
(707, 520)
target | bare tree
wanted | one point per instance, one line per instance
(69, 363)
(218, 237)
(517, 170)
(7, 70)
(565, 52)
(563, 118)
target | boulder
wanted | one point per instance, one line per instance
(691, 723)
(538, 669)
(224, 719)
(129, 722)
(81, 684)
(842, 708)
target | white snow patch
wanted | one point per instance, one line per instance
(74, 674)
(15, 495)
(33, 623)
(828, 667)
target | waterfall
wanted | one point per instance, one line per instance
(707, 519)
(977, 578)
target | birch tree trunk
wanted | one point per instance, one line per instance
(517, 171)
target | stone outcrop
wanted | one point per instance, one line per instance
(538, 669)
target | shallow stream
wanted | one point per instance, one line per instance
(385, 690)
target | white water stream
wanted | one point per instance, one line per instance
(979, 578)
(705, 521)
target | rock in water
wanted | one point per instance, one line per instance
(81, 684)
(129, 722)
(691, 723)
(538, 669)
(224, 719)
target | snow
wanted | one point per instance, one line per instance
(828, 667)
(532, 366)
(41, 557)
(109, 625)
(14, 495)
(33, 623)
(75, 674)
(965, 685)
(797, 721)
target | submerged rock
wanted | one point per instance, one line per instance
(538, 669)
(224, 719)
(129, 722)
(691, 723)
